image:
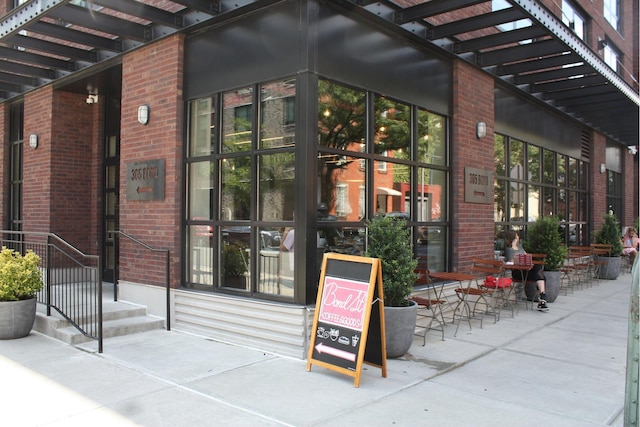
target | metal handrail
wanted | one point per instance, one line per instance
(167, 272)
(77, 291)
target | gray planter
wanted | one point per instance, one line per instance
(608, 267)
(552, 284)
(17, 318)
(400, 326)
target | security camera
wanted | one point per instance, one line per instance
(632, 149)
(92, 99)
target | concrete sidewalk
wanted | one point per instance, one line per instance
(561, 368)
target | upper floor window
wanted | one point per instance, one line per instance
(572, 19)
(611, 57)
(611, 9)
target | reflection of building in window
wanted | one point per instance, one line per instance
(382, 166)
(361, 201)
(572, 19)
(342, 200)
(611, 8)
(611, 57)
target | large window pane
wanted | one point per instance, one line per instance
(549, 167)
(517, 201)
(235, 201)
(500, 155)
(533, 203)
(277, 114)
(202, 127)
(200, 255)
(392, 128)
(392, 188)
(341, 116)
(275, 186)
(342, 186)
(430, 193)
(432, 141)
(200, 190)
(534, 163)
(500, 201)
(235, 257)
(237, 120)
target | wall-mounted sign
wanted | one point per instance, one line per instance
(145, 180)
(478, 186)
(348, 328)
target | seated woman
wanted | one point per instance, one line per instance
(630, 243)
(512, 248)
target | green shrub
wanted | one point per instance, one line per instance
(389, 239)
(543, 237)
(610, 234)
(233, 261)
(20, 276)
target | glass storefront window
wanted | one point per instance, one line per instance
(392, 183)
(431, 138)
(430, 193)
(342, 186)
(237, 120)
(533, 158)
(200, 190)
(548, 167)
(235, 188)
(276, 173)
(533, 203)
(500, 201)
(392, 128)
(277, 114)
(201, 127)
(341, 116)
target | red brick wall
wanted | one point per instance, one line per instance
(37, 186)
(598, 182)
(152, 75)
(473, 226)
(62, 176)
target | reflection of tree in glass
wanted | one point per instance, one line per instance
(236, 182)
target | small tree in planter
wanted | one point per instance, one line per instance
(389, 239)
(20, 281)
(544, 237)
(609, 234)
(234, 265)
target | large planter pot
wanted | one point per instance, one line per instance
(552, 284)
(400, 326)
(17, 318)
(608, 267)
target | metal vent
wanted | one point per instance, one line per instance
(585, 144)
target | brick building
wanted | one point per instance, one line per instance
(202, 126)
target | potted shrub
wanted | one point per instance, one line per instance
(609, 234)
(234, 265)
(389, 239)
(544, 237)
(20, 281)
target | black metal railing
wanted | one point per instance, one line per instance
(72, 279)
(167, 271)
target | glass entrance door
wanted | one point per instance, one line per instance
(111, 194)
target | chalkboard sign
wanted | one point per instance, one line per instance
(348, 326)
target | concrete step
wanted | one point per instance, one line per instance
(119, 319)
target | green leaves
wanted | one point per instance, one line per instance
(543, 237)
(20, 277)
(611, 234)
(389, 239)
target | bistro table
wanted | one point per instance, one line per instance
(462, 291)
(524, 269)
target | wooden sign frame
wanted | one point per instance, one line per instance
(348, 325)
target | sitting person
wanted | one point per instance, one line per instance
(630, 243)
(512, 248)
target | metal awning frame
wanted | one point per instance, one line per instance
(44, 41)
